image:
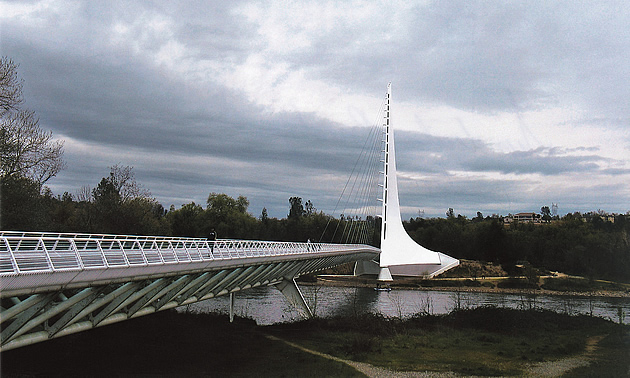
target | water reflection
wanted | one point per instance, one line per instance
(266, 305)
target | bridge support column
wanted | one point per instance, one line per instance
(289, 288)
(366, 267)
(385, 274)
(231, 307)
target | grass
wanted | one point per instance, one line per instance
(611, 358)
(168, 344)
(581, 285)
(482, 341)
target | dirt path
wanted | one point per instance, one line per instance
(367, 369)
(559, 367)
(542, 369)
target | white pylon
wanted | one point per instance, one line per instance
(400, 254)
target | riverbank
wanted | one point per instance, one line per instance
(168, 344)
(479, 276)
(485, 285)
(477, 342)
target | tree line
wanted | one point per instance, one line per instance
(594, 248)
(118, 204)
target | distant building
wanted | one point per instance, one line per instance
(606, 217)
(526, 217)
(538, 218)
(523, 218)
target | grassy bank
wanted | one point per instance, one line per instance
(168, 344)
(483, 341)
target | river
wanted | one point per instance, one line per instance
(266, 305)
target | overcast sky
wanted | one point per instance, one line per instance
(498, 106)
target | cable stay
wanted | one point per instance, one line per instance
(370, 210)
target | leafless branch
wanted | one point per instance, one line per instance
(10, 86)
(27, 150)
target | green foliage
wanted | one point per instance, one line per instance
(107, 206)
(228, 217)
(361, 344)
(476, 342)
(484, 341)
(21, 204)
(297, 209)
(107, 211)
(186, 221)
(595, 249)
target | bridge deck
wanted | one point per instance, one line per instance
(39, 262)
(57, 284)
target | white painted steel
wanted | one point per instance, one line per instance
(57, 284)
(27, 259)
(400, 254)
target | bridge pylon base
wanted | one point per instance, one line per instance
(289, 288)
(385, 275)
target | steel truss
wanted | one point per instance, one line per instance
(53, 285)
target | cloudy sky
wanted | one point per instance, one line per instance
(499, 107)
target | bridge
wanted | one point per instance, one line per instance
(55, 284)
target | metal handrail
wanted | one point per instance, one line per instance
(45, 252)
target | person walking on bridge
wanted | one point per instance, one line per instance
(212, 237)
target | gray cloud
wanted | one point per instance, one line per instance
(542, 160)
(436, 154)
(187, 134)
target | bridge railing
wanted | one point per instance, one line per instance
(32, 252)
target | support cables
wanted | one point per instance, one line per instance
(358, 203)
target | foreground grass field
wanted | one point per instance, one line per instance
(169, 344)
(483, 341)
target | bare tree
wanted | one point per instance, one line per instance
(28, 151)
(25, 150)
(122, 177)
(10, 86)
(84, 194)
